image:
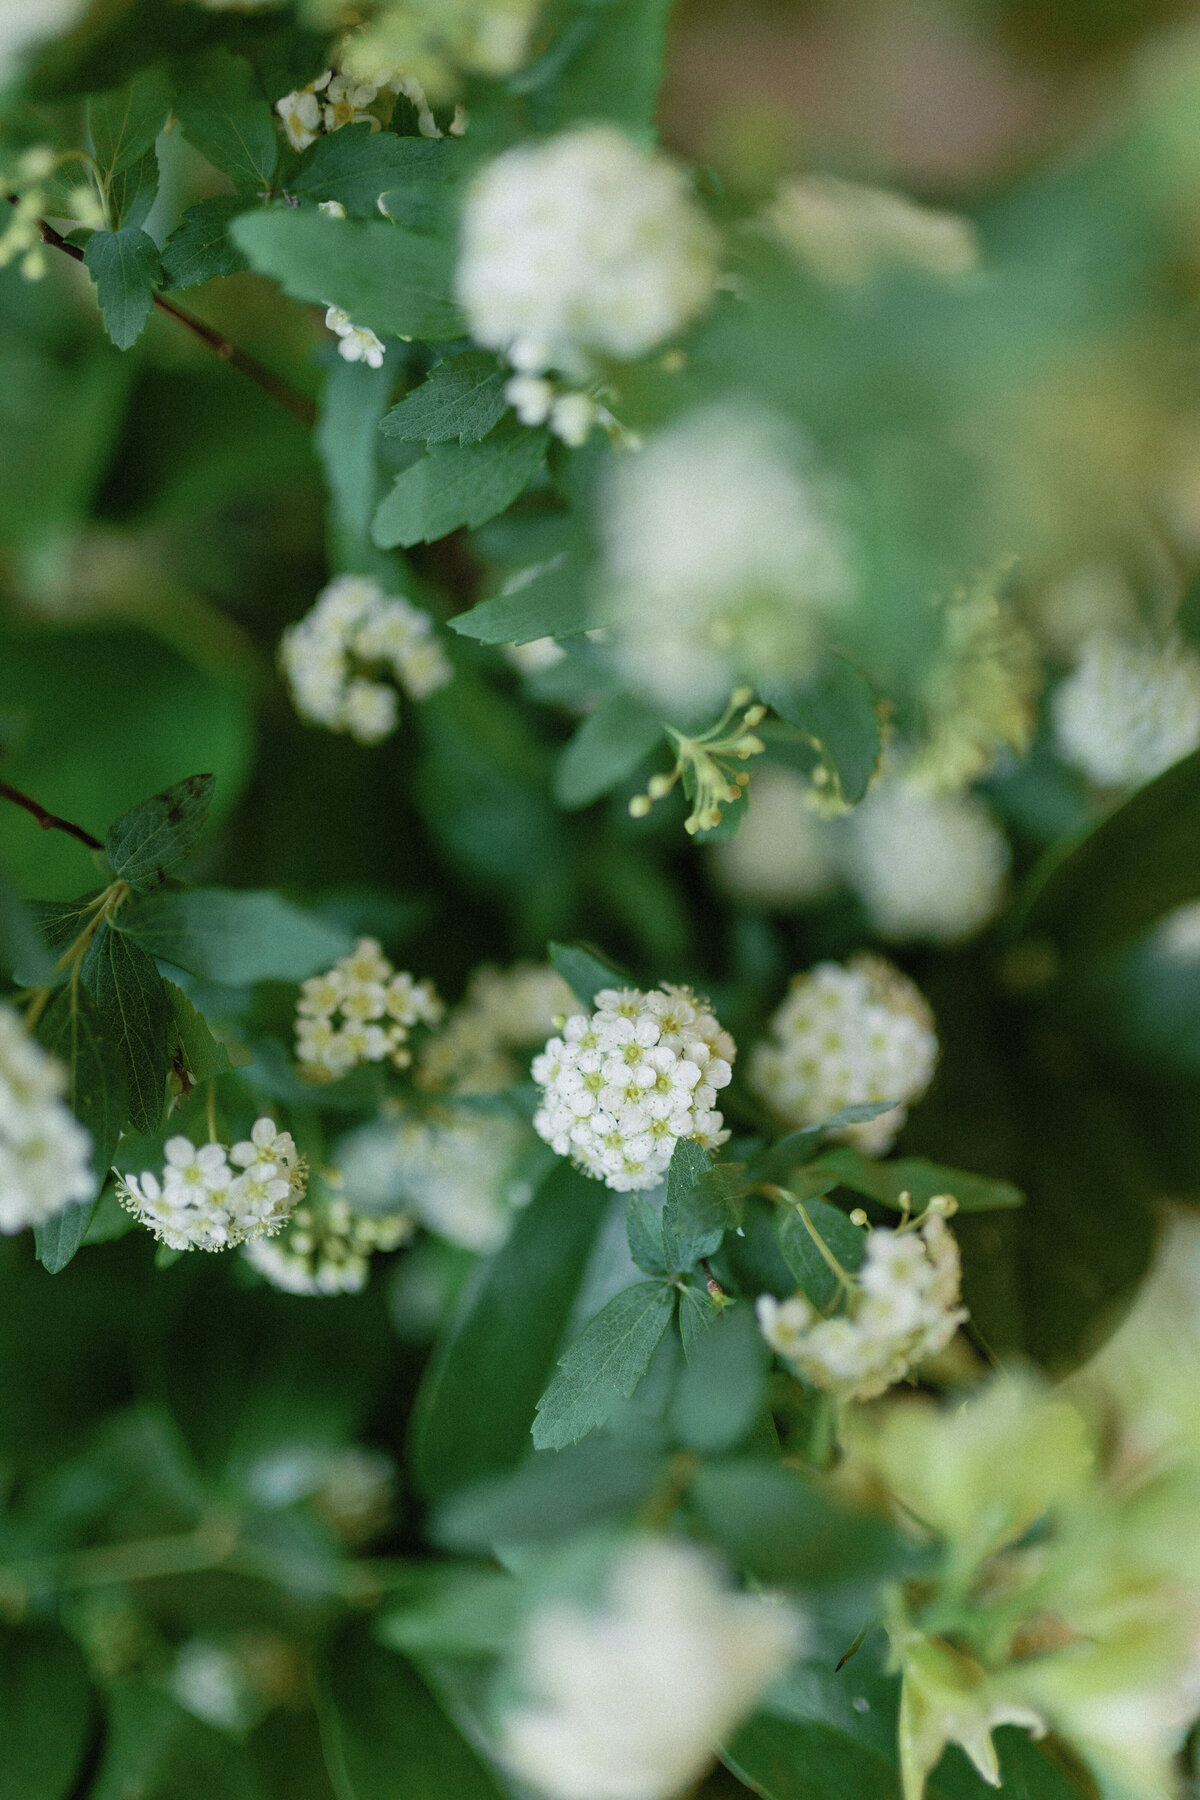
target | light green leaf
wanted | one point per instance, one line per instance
(454, 485)
(134, 1016)
(392, 280)
(223, 112)
(233, 937)
(552, 1494)
(347, 438)
(585, 971)
(604, 1365)
(150, 840)
(200, 248)
(45, 1710)
(606, 749)
(124, 122)
(554, 603)
(697, 1312)
(837, 713)
(461, 398)
(846, 1241)
(643, 1229)
(920, 1179)
(450, 1609)
(126, 270)
(357, 166)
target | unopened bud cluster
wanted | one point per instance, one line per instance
(623, 1084)
(704, 764)
(327, 1247)
(44, 1150)
(361, 1010)
(212, 1197)
(357, 343)
(333, 658)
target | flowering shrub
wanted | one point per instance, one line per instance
(600, 801)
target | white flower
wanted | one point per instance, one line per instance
(358, 342)
(378, 1006)
(848, 231)
(301, 116)
(503, 1010)
(629, 1702)
(203, 1203)
(44, 1150)
(847, 1036)
(926, 866)
(27, 23)
(346, 102)
(902, 1307)
(453, 1171)
(582, 247)
(1129, 709)
(333, 658)
(783, 853)
(333, 209)
(328, 1245)
(625, 1082)
(723, 557)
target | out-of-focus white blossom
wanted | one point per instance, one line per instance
(357, 343)
(624, 1083)
(453, 1171)
(629, 1701)
(211, 1197)
(582, 247)
(1129, 709)
(783, 854)
(44, 1150)
(361, 1010)
(847, 1035)
(723, 558)
(26, 23)
(926, 866)
(435, 41)
(334, 655)
(847, 231)
(209, 1681)
(327, 1247)
(901, 1307)
(502, 1011)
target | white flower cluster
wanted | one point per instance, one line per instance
(357, 343)
(327, 1247)
(579, 248)
(569, 413)
(44, 1150)
(345, 97)
(202, 1202)
(847, 231)
(361, 1010)
(1129, 709)
(847, 1035)
(901, 1307)
(926, 866)
(722, 559)
(502, 1011)
(628, 1702)
(26, 23)
(625, 1082)
(332, 655)
(454, 1171)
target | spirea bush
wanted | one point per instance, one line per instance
(600, 803)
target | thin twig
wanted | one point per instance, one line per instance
(47, 820)
(281, 392)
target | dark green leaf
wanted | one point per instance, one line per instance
(585, 971)
(154, 1750)
(553, 1492)
(446, 1609)
(20, 947)
(200, 248)
(455, 485)
(478, 1397)
(356, 165)
(126, 270)
(643, 1228)
(222, 112)
(153, 838)
(846, 1241)
(777, 1526)
(352, 401)
(234, 937)
(837, 714)
(385, 277)
(797, 1147)
(921, 1180)
(606, 749)
(56, 1241)
(719, 1395)
(697, 1211)
(462, 398)
(786, 1759)
(604, 1365)
(134, 1016)
(71, 1029)
(752, 1255)
(554, 603)
(133, 192)
(617, 69)
(385, 1736)
(45, 1712)
(202, 1055)
(124, 122)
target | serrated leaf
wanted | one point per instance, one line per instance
(606, 749)
(643, 1229)
(223, 112)
(150, 840)
(385, 277)
(132, 193)
(462, 398)
(919, 1178)
(697, 1312)
(134, 1016)
(844, 1240)
(232, 937)
(356, 166)
(604, 1365)
(191, 1039)
(124, 122)
(837, 713)
(553, 603)
(696, 1212)
(455, 485)
(585, 971)
(126, 269)
(200, 248)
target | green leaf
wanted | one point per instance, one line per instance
(1123, 874)
(45, 1711)
(789, 1152)
(200, 248)
(385, 1736)
(21, 948)
(697, 1312)
(617, 70)
(352, 402)
(920, 1179)
(358, 166)
(133, 192)
(233, 937)
(719, 1394)
(154, 1750)
(134, 1016)
(551, 1494)
(124, 122)
(603, 1365)
(606, 749)
(778, 1526)
(126, 270)
(392, 280)
(643, 1229)
(222, 112)
(837, 714)
(553, 603)
(446, 1609)
(847, 1242)
(462, 398)
(191, 1040)
(455, 485)
(477, 1400)
(585, 971)
(698, 1210)
(71, 1029)
(789, 1759)
(150, 840)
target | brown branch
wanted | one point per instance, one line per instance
(47, 820)
(281, 392)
